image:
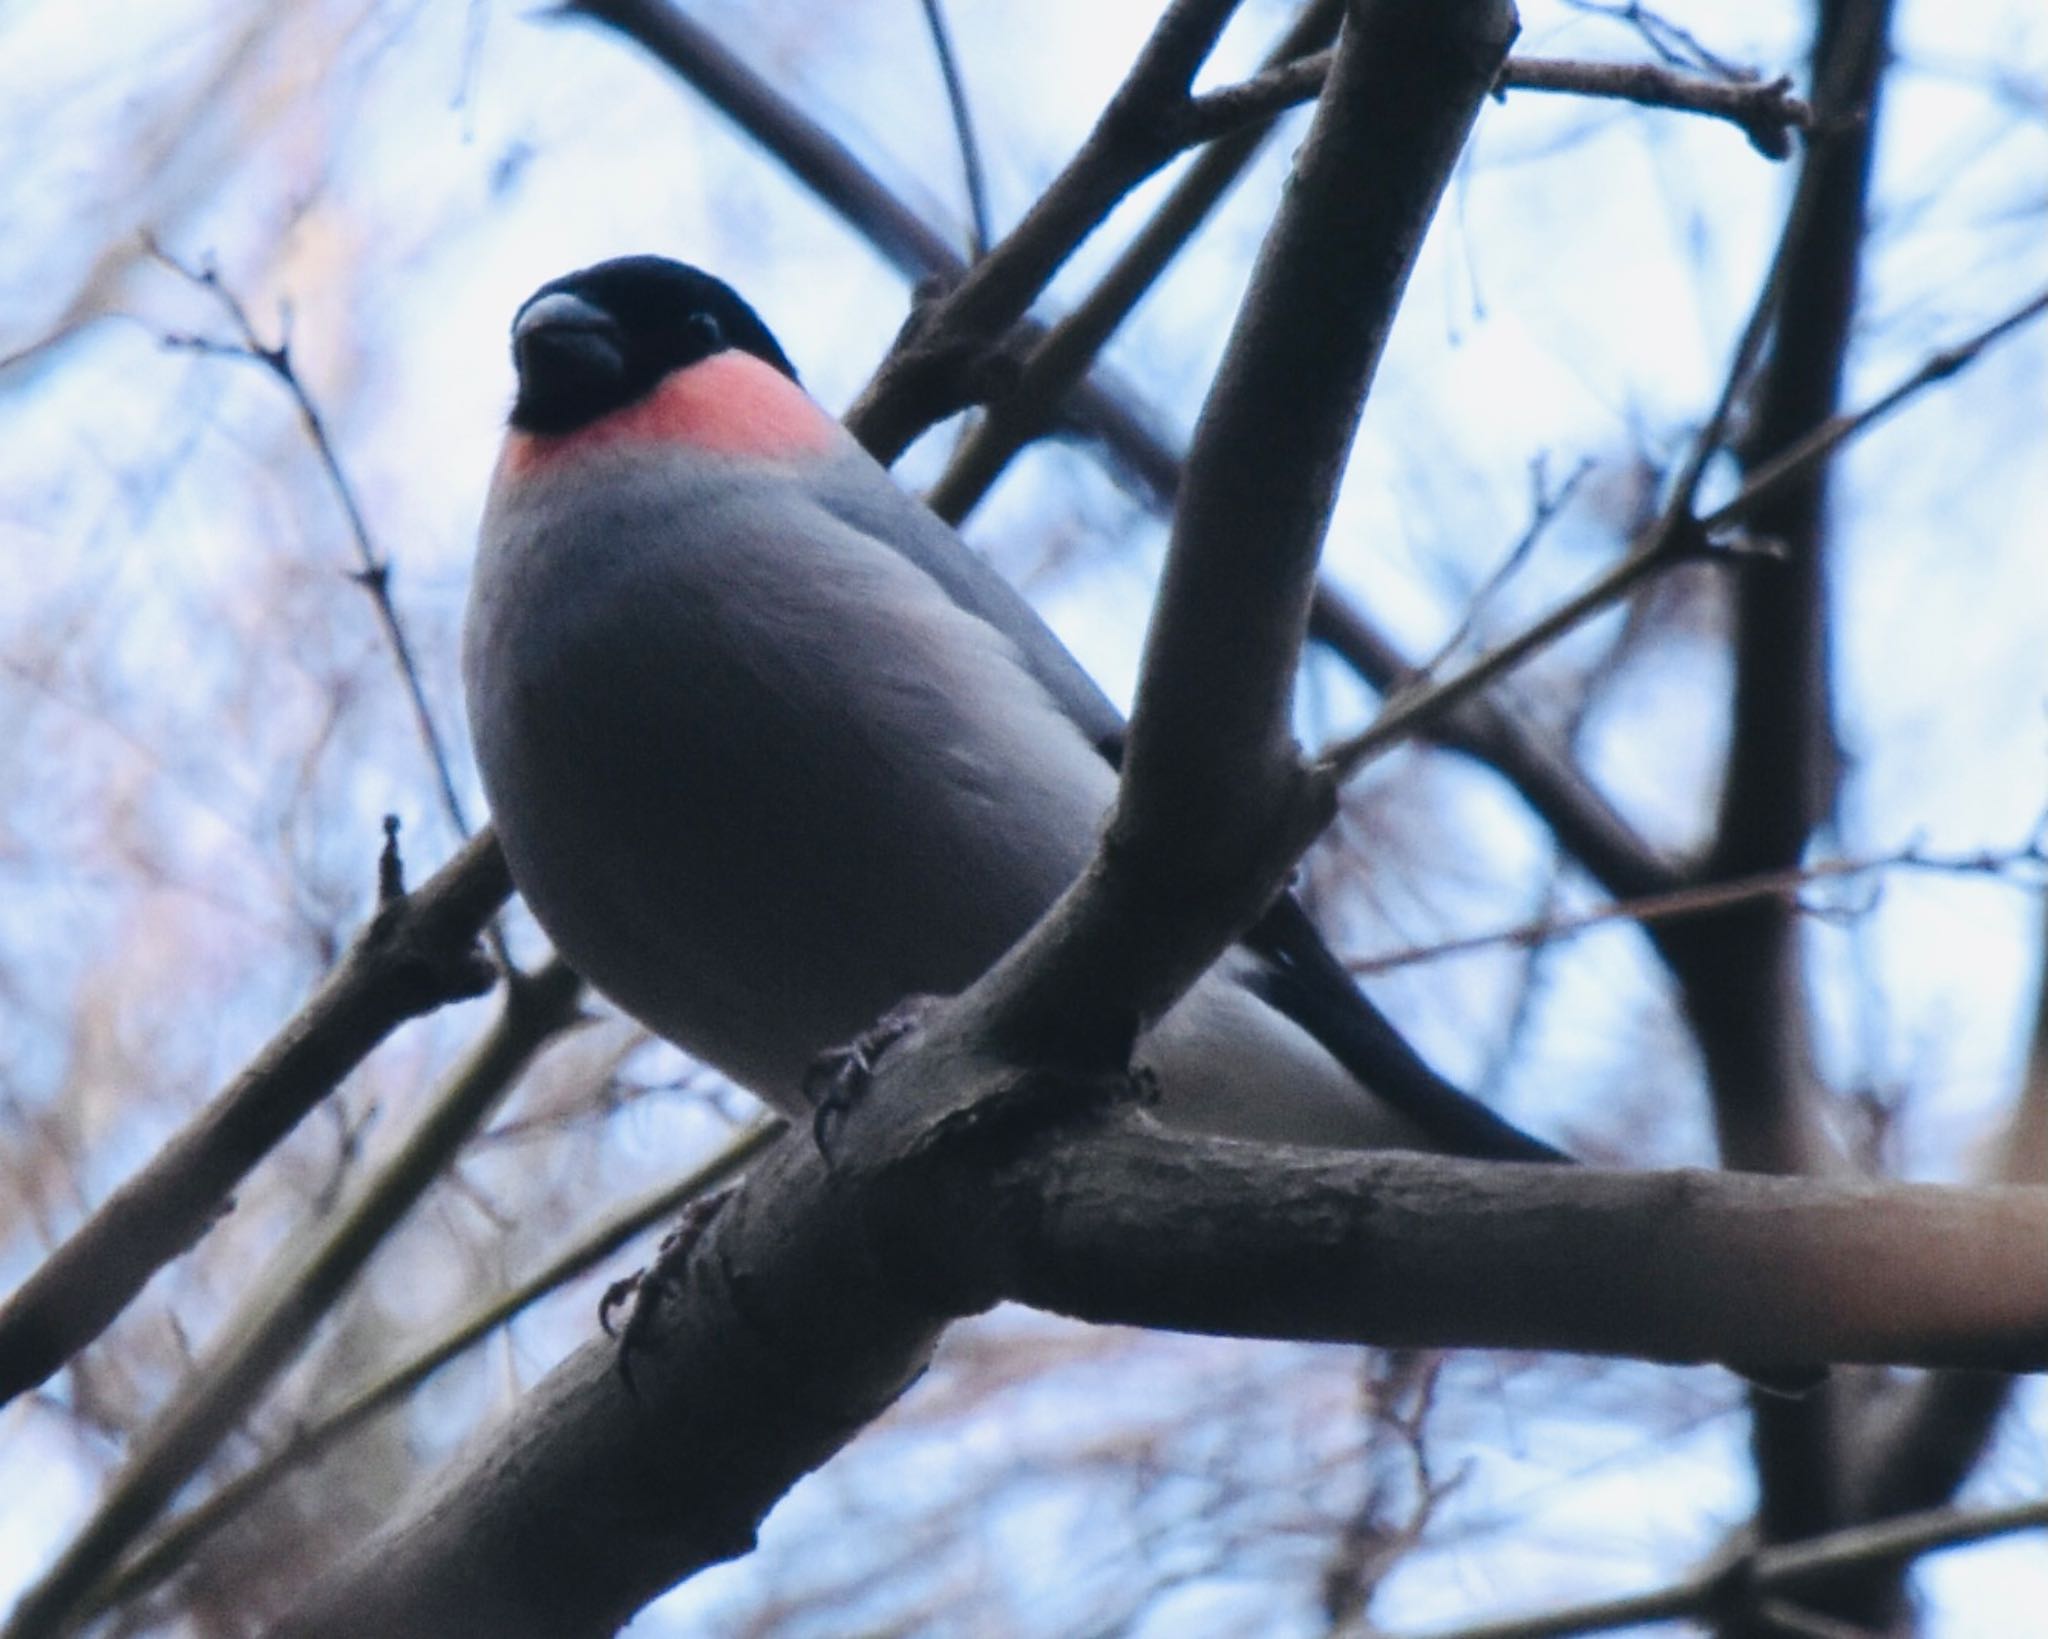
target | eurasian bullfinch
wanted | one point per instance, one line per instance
(770, 749)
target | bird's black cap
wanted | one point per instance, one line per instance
(595, 340)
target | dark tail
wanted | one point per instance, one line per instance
(1303, 980)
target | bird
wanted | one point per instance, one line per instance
(769, 748)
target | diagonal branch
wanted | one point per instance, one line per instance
(1058, 362)
(171, 1550)
(1214, 805)
(269, 1332)
(2020, 866)
(1752, 1578)
(418, 952)
(373, 571)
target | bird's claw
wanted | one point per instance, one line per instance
(838, 1077)
(645, 1289)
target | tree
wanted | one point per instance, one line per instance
(1717, 532)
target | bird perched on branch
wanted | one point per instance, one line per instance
(770, 748)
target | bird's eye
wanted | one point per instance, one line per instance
(705, 332)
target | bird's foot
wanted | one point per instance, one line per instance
(646, 1289)
(838, 1077)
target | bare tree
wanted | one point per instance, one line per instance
(1672, 633)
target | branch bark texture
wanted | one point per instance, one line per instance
(814, 1295)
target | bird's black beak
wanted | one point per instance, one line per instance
(571, 359)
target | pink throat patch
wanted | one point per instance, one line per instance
(729, 404)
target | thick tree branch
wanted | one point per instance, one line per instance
(1741, 972)
(418, 952)
(812, 1297)
(1467, 1244)
(1215, 805)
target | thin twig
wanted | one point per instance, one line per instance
(1893, 1541)
(963, 131)
(1542, 514)
(1676, 45)
(1766, 111)
(373, 571)
(1678, 505)
(1409, 709)
(1713, 896)
(1798, 459)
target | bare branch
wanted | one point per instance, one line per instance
(373, 571)
(1765, 111)
(1403, 716)
(171, 1549)
(1743, 976)
(1672, 540)
(417, 953)
(261, 1341)
(1214, 806)
(813, 1297)
(1799, 460)
(1488, 729)
(1542, 514)
(1697, 900)
(1058, 361)
(1675, 538)
(1771, 1570)
(942, 359)
(963, 130)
